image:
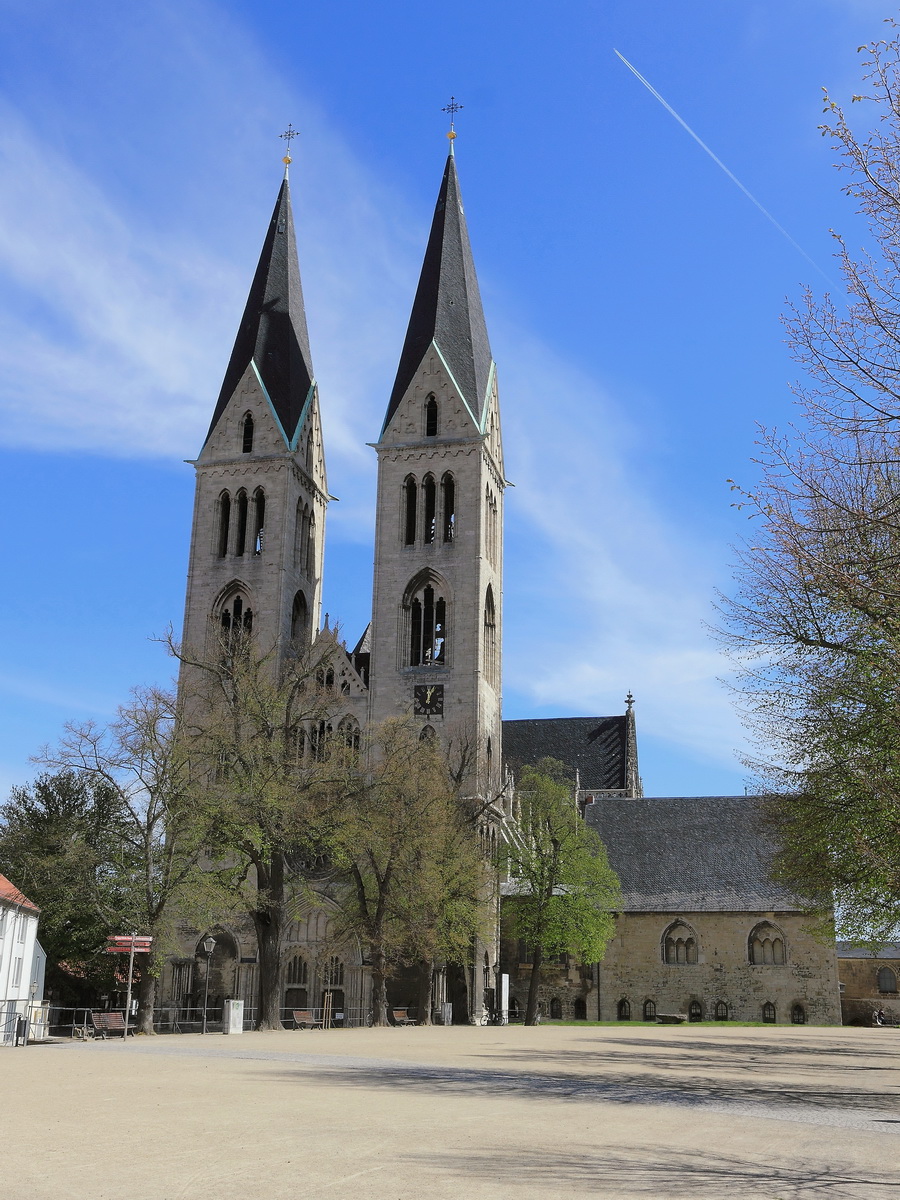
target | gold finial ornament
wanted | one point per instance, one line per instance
(289, 134)
(452, 108)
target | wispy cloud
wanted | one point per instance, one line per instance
(114, 335)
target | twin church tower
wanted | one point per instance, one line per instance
(257, 547)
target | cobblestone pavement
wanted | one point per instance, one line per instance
(631, 1111)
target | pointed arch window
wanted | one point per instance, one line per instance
(224, 523)
(798, 1014)
(623, 1010)
(766, 945)
(311, 547)
(887, 980)
(431, 417)
(297, 972)
(242, 513)
(299, 619)
(259, 521)
(649, 1010)
(428, 734)
(426, 608)
(721, 1010)
(679, 945)
(429, 504)
(490, 637)
(768, 1013)
(448, 506)
(348, 732)
(235, 617)
(247, 434)
(410, 498)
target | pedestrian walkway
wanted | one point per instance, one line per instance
(395, 1114)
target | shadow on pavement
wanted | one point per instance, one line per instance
(626, 1172)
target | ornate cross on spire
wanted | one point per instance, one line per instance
(452, 108)
(289, 134)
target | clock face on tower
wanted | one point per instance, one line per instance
(428, 699)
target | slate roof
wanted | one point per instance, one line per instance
(851, 950)
(447, 309)
(273, 329)
(594, 746)
(690, 854)
(11, 895)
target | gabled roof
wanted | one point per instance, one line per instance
(690, 853)
(596, 747)
(447, 308)
(273, 332)
(10, 894)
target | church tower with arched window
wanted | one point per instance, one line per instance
(261, 494)
(436, 631)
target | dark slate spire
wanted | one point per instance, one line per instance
(273, 328)
(447, 308)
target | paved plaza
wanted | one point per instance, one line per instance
(397, 1114)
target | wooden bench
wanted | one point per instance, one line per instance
(401, 1016)
(106, 1023)
(305, 1018)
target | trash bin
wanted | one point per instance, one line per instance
(233, 1017)
(22, 1031)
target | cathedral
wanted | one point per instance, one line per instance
(703, 933)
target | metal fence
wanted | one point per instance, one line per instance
(22, 1021)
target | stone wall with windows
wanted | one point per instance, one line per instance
(718, 966)
(869, 982)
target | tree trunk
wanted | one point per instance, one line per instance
(379, 988)
(268, 918)
(426, 980)
(146, 996)
(534, 983)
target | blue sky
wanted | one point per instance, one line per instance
(632, 292)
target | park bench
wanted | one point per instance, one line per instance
(108, 1022)
(670, 1018)
(305, 1018)
(401, 1016)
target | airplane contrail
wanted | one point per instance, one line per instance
(734, 179)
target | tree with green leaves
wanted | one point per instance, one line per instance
(814, 620)
(416, 881)
(258, 731)
(563, 891)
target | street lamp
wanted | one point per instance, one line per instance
(209, 945)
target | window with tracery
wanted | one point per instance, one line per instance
(426, 612)
(348, 732)
(695, 1011)
(623, 1011)
(649, 1010)
(721, 1010)
(334, 972)
(768, 1013)
(680, 945)
(297, 972)
(798, 1014)
(236, 616)
(766, 945)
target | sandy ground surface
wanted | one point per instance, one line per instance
(397, 1114)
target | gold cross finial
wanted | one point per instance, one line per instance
(289, 134)
(452, 108)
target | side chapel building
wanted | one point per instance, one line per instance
(703, 932)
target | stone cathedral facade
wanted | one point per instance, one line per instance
(703, 931)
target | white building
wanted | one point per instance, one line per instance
(22, 961)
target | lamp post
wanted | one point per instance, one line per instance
(209, 945)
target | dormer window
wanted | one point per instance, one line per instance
(431, 417)
(247, 435)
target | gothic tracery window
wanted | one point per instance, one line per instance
(429, 506)
(242, 511)
(679, 945)
(236, 616)
(766, 945)
(490, 638)
(299, 619)
(259, 520)
(426, 611)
